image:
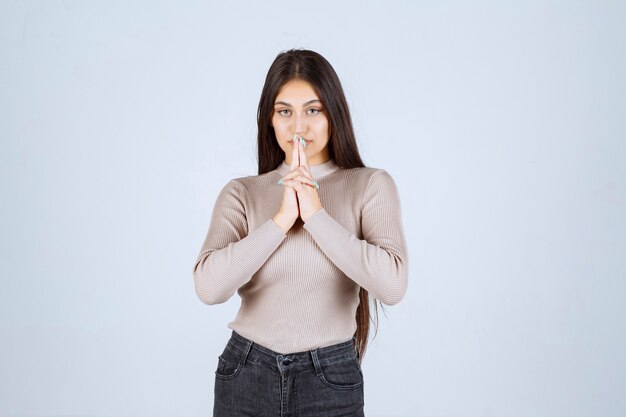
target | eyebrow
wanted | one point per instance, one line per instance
(289, 105)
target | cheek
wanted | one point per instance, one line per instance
(322, 126)
(278, 124)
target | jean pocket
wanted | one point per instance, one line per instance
(345, 374)
(229, 364)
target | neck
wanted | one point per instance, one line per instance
(318, 170)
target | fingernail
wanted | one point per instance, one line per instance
(316, 184)
(280, 181)
(302, 142)
(295, 137)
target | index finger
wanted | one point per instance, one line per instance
(304, 161)
(295, 162)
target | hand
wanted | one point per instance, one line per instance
(288, 212)
(300, 179)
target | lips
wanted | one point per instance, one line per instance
(308, 142)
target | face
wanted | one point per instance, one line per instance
(298, 110)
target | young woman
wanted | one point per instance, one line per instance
(304, 243)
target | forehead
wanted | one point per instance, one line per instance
(297, 91)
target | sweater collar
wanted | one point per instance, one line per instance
(317, 171)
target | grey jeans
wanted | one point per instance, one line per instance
(252, 380)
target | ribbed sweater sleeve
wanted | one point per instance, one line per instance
(230, 254)
(379, 262)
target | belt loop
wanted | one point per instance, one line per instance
(316, 362)
(246, 351)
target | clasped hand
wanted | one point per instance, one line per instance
(300, 196)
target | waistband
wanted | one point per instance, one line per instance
(315, 358)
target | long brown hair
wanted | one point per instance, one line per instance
(314, 68)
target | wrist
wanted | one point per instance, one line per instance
(311, 215)
(282, 223)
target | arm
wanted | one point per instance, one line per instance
(230, 255)
(379, 263)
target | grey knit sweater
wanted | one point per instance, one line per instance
(299, 290)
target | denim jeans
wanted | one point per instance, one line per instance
(252, 380)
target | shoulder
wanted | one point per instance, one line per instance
(368, 184)
(371, 176)
(249, 183)
(377, 183)
(360, 173)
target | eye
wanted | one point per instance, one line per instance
(284, 112)
(314, 111)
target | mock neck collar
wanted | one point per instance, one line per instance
(317, 171)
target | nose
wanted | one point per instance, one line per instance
(300, 125)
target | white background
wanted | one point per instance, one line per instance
(501, 122)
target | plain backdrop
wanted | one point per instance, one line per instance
(502, 124)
